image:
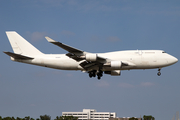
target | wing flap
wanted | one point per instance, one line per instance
(73, 56)
(127, 63)
(18, 56)
(102, 60)
(88, 65)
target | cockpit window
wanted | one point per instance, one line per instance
(163, 52)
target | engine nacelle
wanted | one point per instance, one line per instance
(116, 64)
(113, 72)
(91, 57)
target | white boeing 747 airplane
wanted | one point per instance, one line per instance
(95, 64)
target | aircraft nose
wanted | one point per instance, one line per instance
(173, 60)
(176, 60)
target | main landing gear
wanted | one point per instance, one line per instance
(99, 74)
(93, 73)
(159, 72)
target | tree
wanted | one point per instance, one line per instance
(27, 118)
(13, 118)
(45, 117)
(66, 118)
(18, 118)
(7, 118)
(133, 118)
(148, 117)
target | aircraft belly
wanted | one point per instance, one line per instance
(63, 64)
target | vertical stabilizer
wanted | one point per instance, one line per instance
(20, 45)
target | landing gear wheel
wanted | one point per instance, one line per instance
(94, 73)
(90, 75)
(100, 74)
(159, 73)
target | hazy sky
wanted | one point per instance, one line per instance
(93, 26)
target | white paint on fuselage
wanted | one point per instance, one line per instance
(143, 59)
(140, 59)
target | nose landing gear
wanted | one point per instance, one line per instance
(159, 72)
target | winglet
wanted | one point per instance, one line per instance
(49, 39)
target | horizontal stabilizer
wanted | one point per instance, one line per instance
(18, 56)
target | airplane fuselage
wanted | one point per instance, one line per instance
(139, 59)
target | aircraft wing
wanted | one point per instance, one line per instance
(64, 46)
(74, 53)
(88, 64)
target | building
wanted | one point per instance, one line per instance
(92, 114)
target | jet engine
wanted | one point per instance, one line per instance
(113, 72)
(116, 64)
(91, 57)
